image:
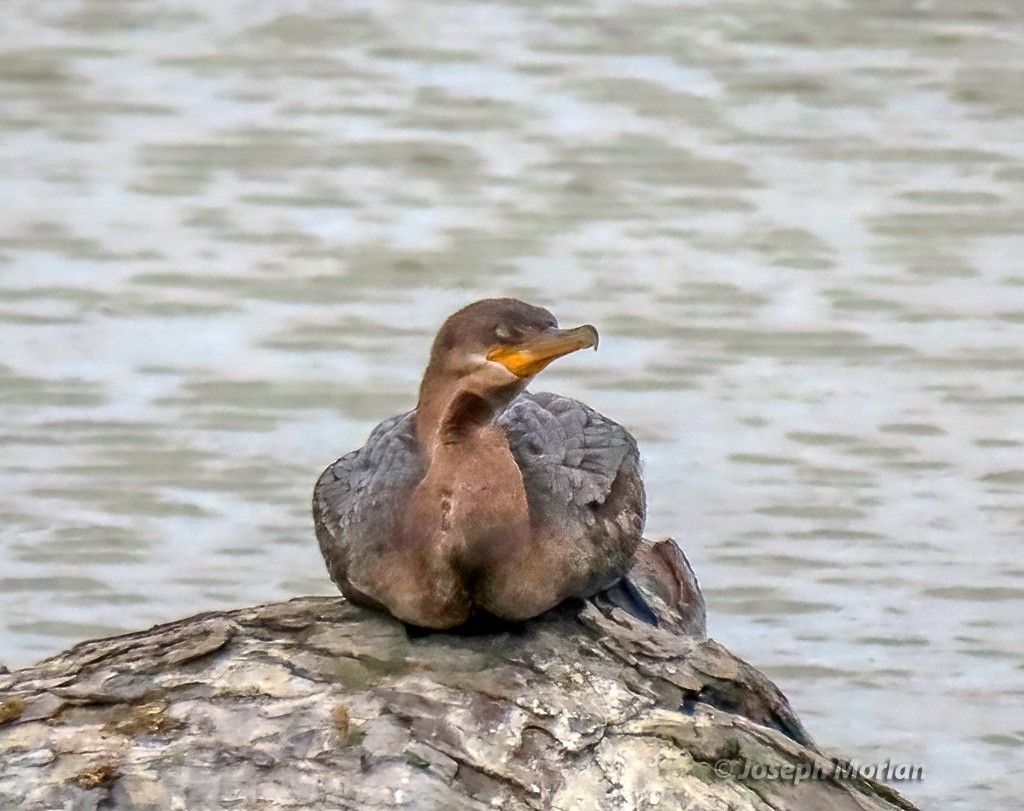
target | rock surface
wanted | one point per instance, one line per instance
(316, 703)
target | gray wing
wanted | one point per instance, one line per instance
(582, 474)
(356, 500)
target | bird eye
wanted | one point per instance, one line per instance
(503, 332)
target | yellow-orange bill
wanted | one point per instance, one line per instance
(529, 357)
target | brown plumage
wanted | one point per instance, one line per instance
(485, 497)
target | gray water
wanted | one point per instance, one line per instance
(229, 230)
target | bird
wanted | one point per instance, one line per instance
(486, 500)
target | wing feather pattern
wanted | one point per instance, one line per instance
(582, 476)
(357, 500)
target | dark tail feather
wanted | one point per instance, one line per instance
(626, 596)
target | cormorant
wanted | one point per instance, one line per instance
(486, 497)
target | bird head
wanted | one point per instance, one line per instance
(487, 352)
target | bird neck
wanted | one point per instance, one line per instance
(455, 412)
(471, 502)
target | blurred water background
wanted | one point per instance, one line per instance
(229, 231)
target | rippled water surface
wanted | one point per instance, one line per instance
(229, 231)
